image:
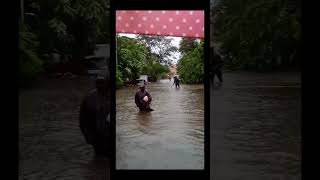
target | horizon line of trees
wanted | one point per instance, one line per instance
(260, 35)
(253, 35)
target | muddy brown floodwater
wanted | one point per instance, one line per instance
(255, 129)
(171, 137)
(51, 145)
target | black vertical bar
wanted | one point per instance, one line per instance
(113, 86)
(207, 90)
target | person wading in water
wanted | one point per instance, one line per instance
(176, 82)
(94, 119)
(216, 66)
(143, 99)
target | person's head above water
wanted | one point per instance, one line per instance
(142, 87)
(101, 84)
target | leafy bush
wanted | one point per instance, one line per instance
(134, 60)
(131, 57)
(29, 63)
(119, 81)
(154, 69)
(190, 66)
(258, 35)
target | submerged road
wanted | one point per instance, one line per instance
(51, 145)
(171, 137)
(255, 127)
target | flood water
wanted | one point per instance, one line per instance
(170, 137)
(51, 145)
(255, 129)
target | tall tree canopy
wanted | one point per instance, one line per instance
(191, 65)
(187, 45)
(135, 59)
(260, 34)
(160, 45)
(131, 56)
(65, 27)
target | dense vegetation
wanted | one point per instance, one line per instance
(160, 46)
(190, 66)
(258, 34)
(65, 28)
(136, 57)
(251, 34)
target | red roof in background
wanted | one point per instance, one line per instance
(165, 23)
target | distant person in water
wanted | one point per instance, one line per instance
(217, 64)
(95, 117)
(143, 99)
(176, 82)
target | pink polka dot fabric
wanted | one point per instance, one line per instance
(163, 23)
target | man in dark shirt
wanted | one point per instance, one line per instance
(95, 117)
(143, 99)
(176, 81)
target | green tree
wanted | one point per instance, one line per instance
(154, 69)
(65, 27)
(260, 35)
(134, 59)
(160, 45)
(131, 56)
(72, 26)
(187, 45)
(29, 63)
(190, 66)
(119, 79)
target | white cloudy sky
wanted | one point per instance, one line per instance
(175, 42)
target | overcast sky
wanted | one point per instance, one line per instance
(175, 42)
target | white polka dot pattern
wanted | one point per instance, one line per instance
(174, 23)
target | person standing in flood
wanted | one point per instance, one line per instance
(176, 82)
(143, 99)
(94, 119)
(216, 65)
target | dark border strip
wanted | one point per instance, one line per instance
(160, 4)
(113, 86)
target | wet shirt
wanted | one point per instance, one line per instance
(139, 99)
(177, 81)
